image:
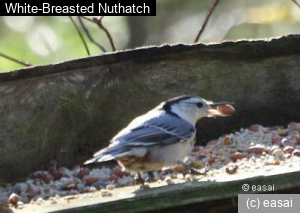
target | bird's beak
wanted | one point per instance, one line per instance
(221, 109)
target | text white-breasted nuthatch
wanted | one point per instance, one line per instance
(163, 137)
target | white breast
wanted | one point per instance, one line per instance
(173, 154)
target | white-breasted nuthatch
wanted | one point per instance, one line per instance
(163, 137)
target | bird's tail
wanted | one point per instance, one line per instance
(107, 154)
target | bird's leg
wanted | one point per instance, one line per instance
(139, 179)
(150, 176)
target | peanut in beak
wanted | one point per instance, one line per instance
(221, 109)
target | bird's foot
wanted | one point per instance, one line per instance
(145, 186)
(150, 177)
(140, 180)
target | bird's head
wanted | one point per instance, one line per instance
(192, 108)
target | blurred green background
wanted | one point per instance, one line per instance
(44, 40)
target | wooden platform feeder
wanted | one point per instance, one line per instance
(68, 110)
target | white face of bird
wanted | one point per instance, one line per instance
(194, 108)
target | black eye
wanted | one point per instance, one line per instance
(200, 104)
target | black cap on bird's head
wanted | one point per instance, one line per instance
(192, 108)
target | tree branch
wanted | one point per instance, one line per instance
(206, 20)
(88, 19)
(101, 26)
(89, 35)
(296, 3)
(80, 35)
(15, 60)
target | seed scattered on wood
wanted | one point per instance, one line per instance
(225, 140)
(245, 151)
(255, 127)
(258, 149)
(237, 156)
(180, 169)
(14, 199)
(231, 169)
(83, 172)
(278, 154)
(288, 149)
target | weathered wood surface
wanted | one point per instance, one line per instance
(161, 199)
(65, 111)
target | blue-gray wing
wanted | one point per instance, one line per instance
(159, 129)
(155, 127)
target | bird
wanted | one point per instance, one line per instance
(161, 138)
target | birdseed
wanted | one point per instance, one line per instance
(243, 152)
